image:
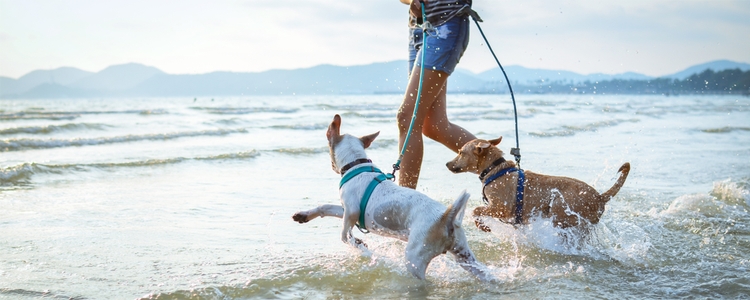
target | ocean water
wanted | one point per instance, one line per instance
(192, 198)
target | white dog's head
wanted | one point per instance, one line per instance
(346, 148)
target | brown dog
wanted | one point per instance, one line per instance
(565, 200)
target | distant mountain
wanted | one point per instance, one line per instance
(116, 78)
(526, 76)
(389, 77)
(53, 90)
(716, 66)
(323, 79)
(7, 85)
(62, 76)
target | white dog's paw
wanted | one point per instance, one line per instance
(300, 217)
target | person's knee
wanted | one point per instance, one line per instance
(437, 128)
(404, 119)
(432, 131)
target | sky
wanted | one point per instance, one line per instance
(651, 37)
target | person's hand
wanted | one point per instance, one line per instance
(415, 9)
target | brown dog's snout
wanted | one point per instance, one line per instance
(451, 165)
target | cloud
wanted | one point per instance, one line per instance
(653, 37)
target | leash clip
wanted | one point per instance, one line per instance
(517, 154)
(396, 167)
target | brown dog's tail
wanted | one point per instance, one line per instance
(624, 170)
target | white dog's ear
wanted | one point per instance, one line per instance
(496, 141)
(333, 129)
(367, 140)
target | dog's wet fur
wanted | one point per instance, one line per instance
(427, 226)
(568, 202)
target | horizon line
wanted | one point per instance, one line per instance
(362, 65)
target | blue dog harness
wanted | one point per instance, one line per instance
(519, 189)
(370, 188)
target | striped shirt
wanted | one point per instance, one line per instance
(440, 11)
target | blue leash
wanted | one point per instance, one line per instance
(517, 150)
(392, 176)
(397, 165)
(382, 177)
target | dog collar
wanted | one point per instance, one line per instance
(519, 190)
(354, 163)
(495, 163)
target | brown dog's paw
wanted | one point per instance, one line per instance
(300, 218)
(481, 226)
(359, 242)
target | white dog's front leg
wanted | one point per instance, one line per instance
(327, 210)
(468, 261)
(346, 232)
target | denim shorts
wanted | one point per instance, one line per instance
(445, 45)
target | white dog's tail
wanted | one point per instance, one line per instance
(455, 213)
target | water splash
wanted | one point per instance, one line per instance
(726, 199)
(619, 240)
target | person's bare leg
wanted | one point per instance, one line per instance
(439, 128)
(432, 85)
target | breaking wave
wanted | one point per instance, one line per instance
(369, 115)
(725, 129)
(69, 115)
(47, 129)
(358, 107)
(24, 143)
(244, 110)
(727, 199)
(22, 173)
(301, 150)
(313, 126)
(569, 130)
(29, 294)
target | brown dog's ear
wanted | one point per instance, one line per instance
(333, 129)
(367, 140)
(496, 141)
(481, 146)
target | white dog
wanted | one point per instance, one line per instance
(428, 227)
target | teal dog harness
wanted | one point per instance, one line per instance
(368, 192)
